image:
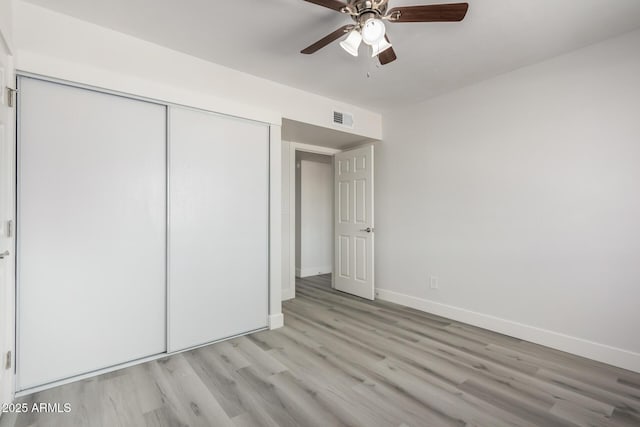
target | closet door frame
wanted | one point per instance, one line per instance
(274, 312)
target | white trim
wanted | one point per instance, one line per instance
(8, 134)
(293, 147)
(314, 148)
(581, 347)
(5, 42)
(288, 294)
(276, 321)
(292, 219)
(275, 224)
(167, 230)
(313, 271)
(3, 86)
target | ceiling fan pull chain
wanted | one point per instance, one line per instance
(373, 67)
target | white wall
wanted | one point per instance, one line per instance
(60, 46)
(314, 217)
(522, 195)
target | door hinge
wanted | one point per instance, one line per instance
(7, 230)
(11, 100)
(8, 360)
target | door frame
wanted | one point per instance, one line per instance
(8, 286)
(306, 148)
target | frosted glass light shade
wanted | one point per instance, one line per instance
(352, 42)
(373, 31)
(378, 48)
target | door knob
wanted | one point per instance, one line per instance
(368, 229)
(4, 254)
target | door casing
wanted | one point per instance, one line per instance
(293, 148)
(7, 225)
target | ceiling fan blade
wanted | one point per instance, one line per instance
(453, 12)
(388, 55)
(326, 40)
(331, 4)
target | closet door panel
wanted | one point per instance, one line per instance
(218, 227)
(91, 231)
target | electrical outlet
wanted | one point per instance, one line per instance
(433, 282)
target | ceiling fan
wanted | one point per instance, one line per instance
(369, 17)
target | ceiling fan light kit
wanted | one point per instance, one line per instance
(380, 47)
(352, 42)
(369, 17)
(373, 30)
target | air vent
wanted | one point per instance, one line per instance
(343, 119)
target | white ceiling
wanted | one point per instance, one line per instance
(264, 37)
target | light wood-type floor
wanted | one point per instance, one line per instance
(340, 360)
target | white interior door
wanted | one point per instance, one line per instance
(7, 209)
(354, 224)
(91, 231)
(218, 227)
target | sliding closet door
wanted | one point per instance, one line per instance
(92, 222)
(218, 237)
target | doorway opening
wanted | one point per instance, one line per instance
(327, 210)
(314, 217)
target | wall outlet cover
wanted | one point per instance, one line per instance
(433, 282)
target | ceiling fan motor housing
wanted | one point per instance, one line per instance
(370, 8)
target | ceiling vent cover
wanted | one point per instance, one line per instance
(343, 119)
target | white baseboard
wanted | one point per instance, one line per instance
(288, 293)
(276, 321)
(581, 347)
(313, 271)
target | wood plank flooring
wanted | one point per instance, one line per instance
(341, 360)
